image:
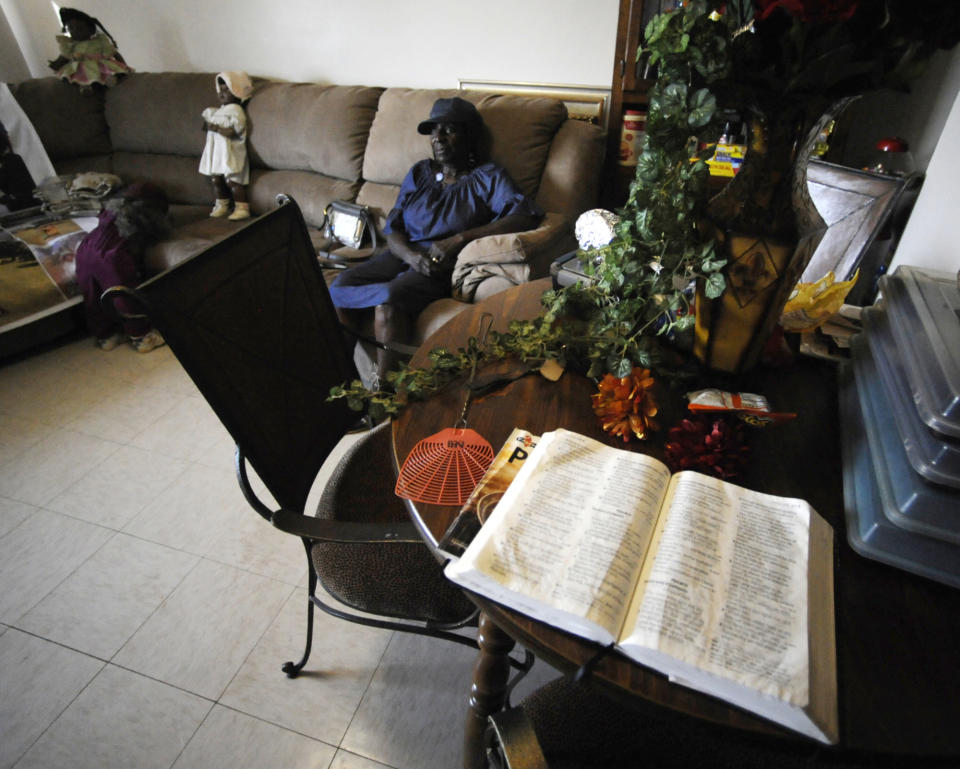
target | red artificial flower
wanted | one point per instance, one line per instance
(709, 444)
(815, 11)
(625, 405)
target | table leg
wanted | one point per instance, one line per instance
(488, 691)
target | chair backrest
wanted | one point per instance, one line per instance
(252, 323)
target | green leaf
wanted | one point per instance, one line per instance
(715, 284)
(624, 367)
(712, 265)
(703, 105)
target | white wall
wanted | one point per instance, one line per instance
(930, 238)
(416, 43)
(11, 60)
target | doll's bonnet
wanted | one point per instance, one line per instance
(238, 84)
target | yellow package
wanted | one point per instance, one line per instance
(812, 304)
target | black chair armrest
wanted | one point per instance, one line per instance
(325, 530)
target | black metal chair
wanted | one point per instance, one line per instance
(252, 323)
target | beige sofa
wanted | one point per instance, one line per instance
(317, 143)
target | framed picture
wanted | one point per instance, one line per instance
(855, 205)
(583, 102)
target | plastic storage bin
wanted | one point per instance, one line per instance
(931, 455)
(924, 313)
(907, 500)
(869, 532)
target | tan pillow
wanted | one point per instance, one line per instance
(517, 256)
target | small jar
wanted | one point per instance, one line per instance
(631, 136)
(892, 158)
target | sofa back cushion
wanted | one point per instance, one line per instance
(70, 124)
(394, 144)
(520, 130)
(159, 112)
(301, 126)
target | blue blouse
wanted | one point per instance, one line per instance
(428, 210)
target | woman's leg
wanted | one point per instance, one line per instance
(390, 324)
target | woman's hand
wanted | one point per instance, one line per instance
(55, 64)
(443, 252)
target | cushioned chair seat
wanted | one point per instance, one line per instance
(409, 581)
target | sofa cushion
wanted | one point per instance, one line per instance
(571, 179)
(177, 175)
(159, 112)
(521, 129)
(379, 198)
(69, 123)
(519, 132)
(394, 144)
(311, 191)
(79, 165)
(311, 127)
(187, 239)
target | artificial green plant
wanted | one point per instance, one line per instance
(639, 294)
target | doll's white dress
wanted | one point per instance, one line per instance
(222, 156)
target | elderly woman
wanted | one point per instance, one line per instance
(444, 204)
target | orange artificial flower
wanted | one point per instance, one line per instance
(626, 405)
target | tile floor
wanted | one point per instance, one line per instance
(145, 610)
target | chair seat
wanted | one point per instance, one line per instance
(396, 579)
(577, 727)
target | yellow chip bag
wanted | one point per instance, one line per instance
(812, 304)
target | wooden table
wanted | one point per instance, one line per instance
(897, 634)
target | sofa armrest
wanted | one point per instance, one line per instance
(514, 257)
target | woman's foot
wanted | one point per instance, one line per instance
(149, 341)
(240, 211)
(221, 208)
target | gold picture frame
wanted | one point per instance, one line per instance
(584, 102)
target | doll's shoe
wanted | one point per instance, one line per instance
(221, 208)
(240, 211)
(149, 341)
(111, 342)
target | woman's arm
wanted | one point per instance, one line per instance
(445, 251)
(401, 247)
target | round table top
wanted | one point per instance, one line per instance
(898, 675)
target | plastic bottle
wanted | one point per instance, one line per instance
(631, 136)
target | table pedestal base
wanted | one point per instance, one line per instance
(489, 689)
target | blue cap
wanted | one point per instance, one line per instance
(454, 110)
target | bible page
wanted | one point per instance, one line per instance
(566, 543)
(725, 589)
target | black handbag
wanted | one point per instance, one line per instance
(350, 225)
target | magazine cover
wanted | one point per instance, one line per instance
(54, 244)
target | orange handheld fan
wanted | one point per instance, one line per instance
(444, 468)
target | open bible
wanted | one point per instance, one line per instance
(724, 590)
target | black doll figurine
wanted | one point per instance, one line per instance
(88, 54)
